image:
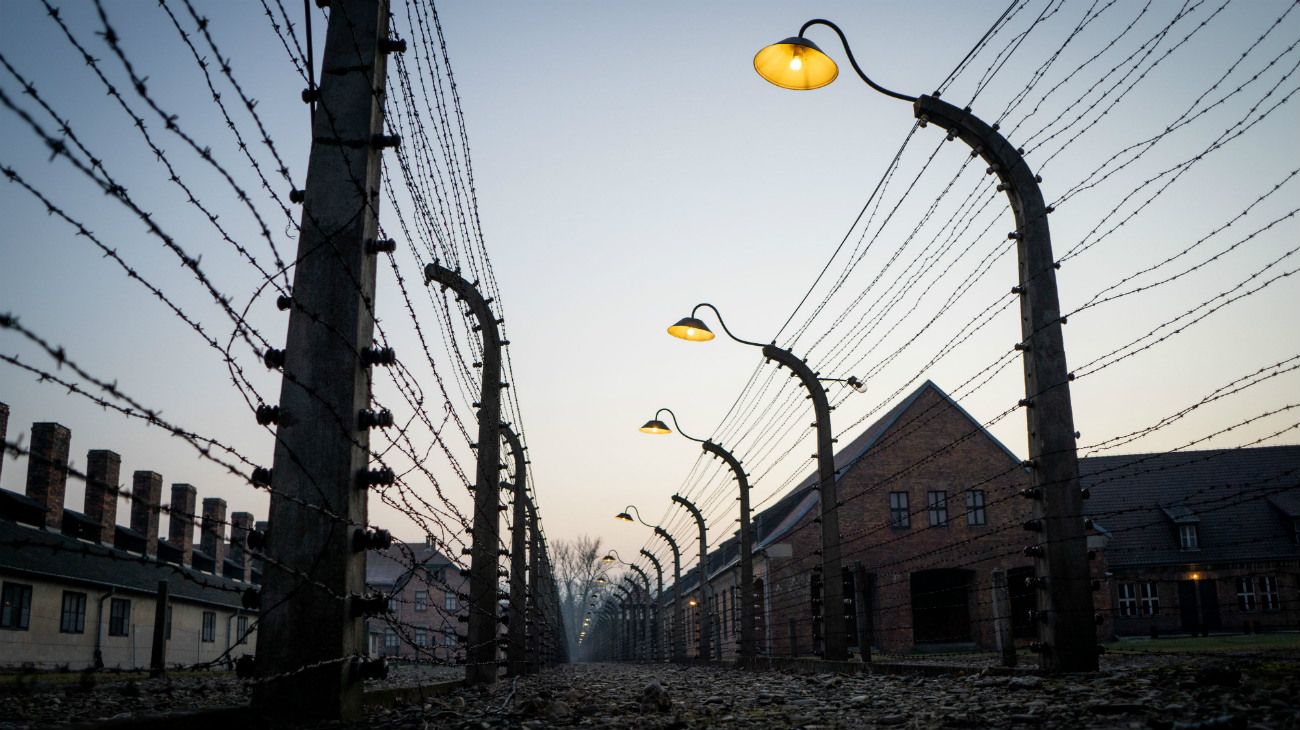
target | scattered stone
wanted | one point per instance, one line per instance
(1218, 676)
(1026, 682)
(654, 698)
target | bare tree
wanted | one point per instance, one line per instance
(577, 565)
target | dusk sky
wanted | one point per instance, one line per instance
(628, 163)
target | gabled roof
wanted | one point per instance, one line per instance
(1141, 498)
(27, 550)
(1287, 504)
(393, 566)
(776, 522)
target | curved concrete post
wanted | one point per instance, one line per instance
(1069, 633)
(481, 654)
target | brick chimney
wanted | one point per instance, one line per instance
(213, 537)
(102, 470)
(146, 497)
(47, 470)
(4, 433)
(180, 528)
(240, 524)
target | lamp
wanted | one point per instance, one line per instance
(795, 63)
(656, 427)
(691, 328)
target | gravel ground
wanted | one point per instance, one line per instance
(1143, 691)
(1159, 693)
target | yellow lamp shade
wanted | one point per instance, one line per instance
(692, 329)
(608, 559)
(655, 427)
(623, 516)
(795, 63)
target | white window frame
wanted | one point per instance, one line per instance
(1189, 537)
(1149, 598)
(1246, 599)
(1269, 597)
(1128, 599)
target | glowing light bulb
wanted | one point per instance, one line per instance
(796, 63)
(690, 332)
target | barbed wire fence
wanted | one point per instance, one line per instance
(378, 393)
(918, 290)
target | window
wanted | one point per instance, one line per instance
(119, 617)
(1187, 537)
(209, 626)
(899, 515)
(15, 606)
(421, 601)
(975, 507)
(390, 641)
(1246, 593)
(1150, 599)
(72, 619)
(421, 637)
(1268, 596)
(1128, 604)
(938, 503)
(241, 628)
(449, 602)
(392, 604)
(449, 637)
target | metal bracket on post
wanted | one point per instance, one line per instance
(481, 662)
(1069, 634)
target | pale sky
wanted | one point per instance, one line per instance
(629, 163)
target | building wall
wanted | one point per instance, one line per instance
(44, 646)
(435, 620)
(1232, 615)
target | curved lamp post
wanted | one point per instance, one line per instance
(656, 426)
(706, 625)
(659, 577)
(1068, 636)
(678, 632)
(644, 620)
(517, 649)
(694, 329)
(481, 654)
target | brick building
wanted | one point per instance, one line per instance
(931, 512)
(79, 590)
(930, 509)
(426, 604)
(1200, 541)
